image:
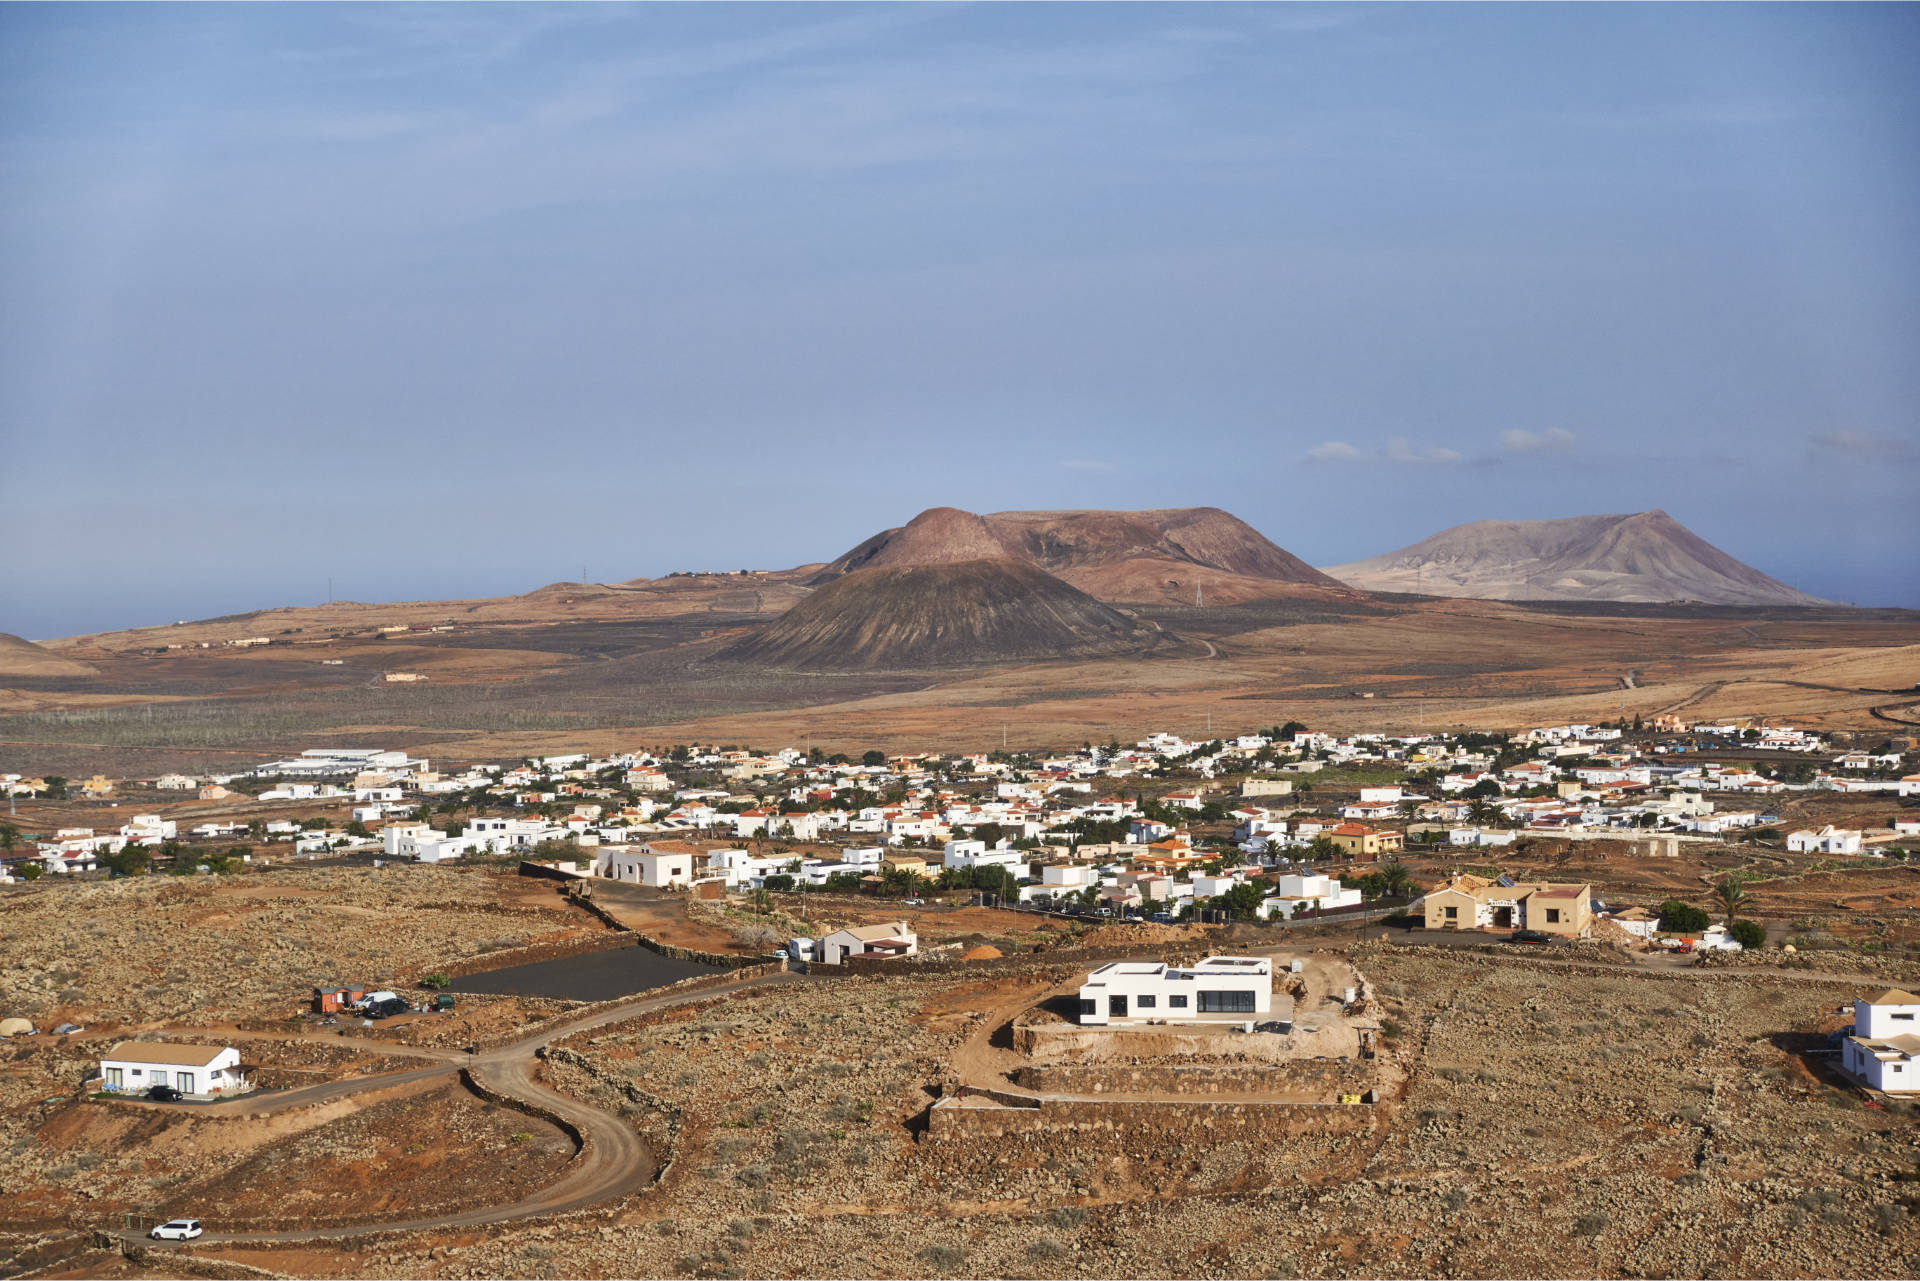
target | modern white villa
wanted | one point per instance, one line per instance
(1225, 989)
(1884, 1050)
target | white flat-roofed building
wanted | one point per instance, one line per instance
(644, 865)
(1884, 1049)
(1226, 989)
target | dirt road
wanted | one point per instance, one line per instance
(613, 1160)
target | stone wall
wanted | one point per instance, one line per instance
(1324, 1079)
(507, 958)
(1155, 1123)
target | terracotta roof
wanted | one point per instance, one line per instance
(163, 1052)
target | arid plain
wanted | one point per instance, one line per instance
(580, 667)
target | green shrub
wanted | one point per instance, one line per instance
(1682, 918)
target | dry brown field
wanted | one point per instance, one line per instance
(1566, 1114)
(627, 672)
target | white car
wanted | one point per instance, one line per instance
(176, 1230)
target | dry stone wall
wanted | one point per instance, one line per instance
(1174, 1123)
(1324, 1077)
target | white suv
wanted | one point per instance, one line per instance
(176, 1230)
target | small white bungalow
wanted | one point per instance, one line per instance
(895, 938)
(202, 1071)
(1828, 840)
(643, 865)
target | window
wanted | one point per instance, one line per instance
(1226, 1002)
(116, 1077)
(1177, 1001)
(1453, 913)
(136, 1071)
(1902, 1018)
(1117, 1007)
(1088, 1005)
(1145, 1002)
(1553, 916)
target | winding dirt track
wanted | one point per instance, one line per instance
(613, 1161)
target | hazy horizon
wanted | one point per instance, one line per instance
(451, 301)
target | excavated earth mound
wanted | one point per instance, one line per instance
(940, 615)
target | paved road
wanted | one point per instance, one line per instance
(614, 1161)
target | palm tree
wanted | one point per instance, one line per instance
(1732, 896)
(1397, 877)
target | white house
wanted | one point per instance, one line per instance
(896, 938)
(961, 854)
(1297, 892)
(1828, 840)
(1884, 1050)
(643, 865)
(1219, 989)
(738, 867)
(200, 1070)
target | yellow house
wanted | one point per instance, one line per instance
(907, 863)
(1475, 903)
(97, 786)
(1365, 842)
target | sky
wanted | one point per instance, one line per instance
(442, 301)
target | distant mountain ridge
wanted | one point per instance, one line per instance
(1133, 557)
(1645, 557)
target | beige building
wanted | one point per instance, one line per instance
(1476, 903)
(1362, 841)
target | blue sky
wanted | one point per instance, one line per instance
(445, 300)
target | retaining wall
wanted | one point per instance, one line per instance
(726, 960)
(528, 1108)
(1324, 1079)
(1157, 1123)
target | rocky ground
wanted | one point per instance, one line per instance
(149, 949)
(423, 1148)
(1556, 1122)
(1547, 1119)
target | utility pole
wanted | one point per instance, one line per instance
(329, 589)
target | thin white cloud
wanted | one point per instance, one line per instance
(1399, 451)
(1396, 450)
(1554, 440)
(1865, 446)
